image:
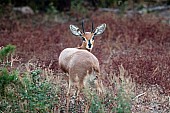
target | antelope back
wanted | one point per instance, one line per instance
(72, 57)
(82, 67)
(65, 57)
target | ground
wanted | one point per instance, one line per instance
(137, 44)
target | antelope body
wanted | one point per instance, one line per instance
(82, 67)
(80, 64)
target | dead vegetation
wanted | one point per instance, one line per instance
(133, 53)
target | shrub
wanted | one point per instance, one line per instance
(29, 93)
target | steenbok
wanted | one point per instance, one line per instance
(80, 64)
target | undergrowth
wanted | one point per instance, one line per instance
(23, 92)
(32, 89)
(137, 44)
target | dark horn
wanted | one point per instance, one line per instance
(83, 26)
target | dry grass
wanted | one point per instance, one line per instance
(133, 55)
(149, 99)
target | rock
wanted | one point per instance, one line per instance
(26, 10)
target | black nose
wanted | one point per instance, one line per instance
(89, 45)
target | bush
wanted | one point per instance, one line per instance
(29, 93)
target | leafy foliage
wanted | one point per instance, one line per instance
(96, 104)
(6, 51)
(77, 7)
(26, 94)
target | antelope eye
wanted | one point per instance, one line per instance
(83, 39)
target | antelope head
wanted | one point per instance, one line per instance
(87, 37)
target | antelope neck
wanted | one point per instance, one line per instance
(84, 48)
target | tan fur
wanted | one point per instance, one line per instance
(87, 36)
(82, 67)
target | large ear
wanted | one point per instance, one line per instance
(100, 29)
(75, 30)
